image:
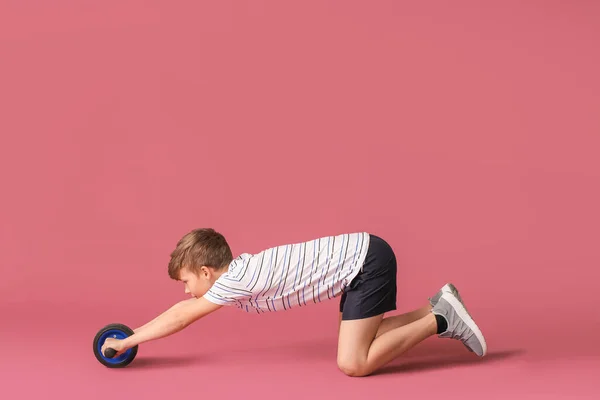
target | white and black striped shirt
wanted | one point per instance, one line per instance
(291, 275)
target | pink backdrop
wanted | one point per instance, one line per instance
(465, 134)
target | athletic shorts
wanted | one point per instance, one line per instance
(373, 290)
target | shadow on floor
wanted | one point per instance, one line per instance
(447, 361)
(167, 361)
(429, 356)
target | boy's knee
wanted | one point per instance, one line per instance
(352, 367)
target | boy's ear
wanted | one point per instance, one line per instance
(205, 272)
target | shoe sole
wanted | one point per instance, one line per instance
(466, 317)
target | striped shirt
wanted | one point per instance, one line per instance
(291, 275)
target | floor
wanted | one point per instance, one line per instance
(282, 356)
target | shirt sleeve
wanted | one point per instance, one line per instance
(229, 289)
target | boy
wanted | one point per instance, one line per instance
(360, 267)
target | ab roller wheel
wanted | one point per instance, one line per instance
(108, 359)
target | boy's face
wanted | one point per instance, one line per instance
(197, 285)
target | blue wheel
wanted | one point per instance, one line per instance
(117, 331)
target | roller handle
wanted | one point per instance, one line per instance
(110, 353)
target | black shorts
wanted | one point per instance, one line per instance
(373, 290)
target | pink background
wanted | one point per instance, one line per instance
(465, 134)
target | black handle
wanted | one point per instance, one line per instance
(110, 353)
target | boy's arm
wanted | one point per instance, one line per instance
(171, 321)
(177, 305)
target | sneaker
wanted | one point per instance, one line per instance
(447, 288)
(460, 324)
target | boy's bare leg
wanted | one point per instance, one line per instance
(398, 320)
(401, 320)
(361, 351)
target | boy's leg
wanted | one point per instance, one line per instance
(360, 352)
(404, 319)
(397, 320)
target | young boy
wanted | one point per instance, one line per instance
(360, 267)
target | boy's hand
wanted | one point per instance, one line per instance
(116, 344)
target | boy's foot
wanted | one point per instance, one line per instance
(460, 325)
(447, 288)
